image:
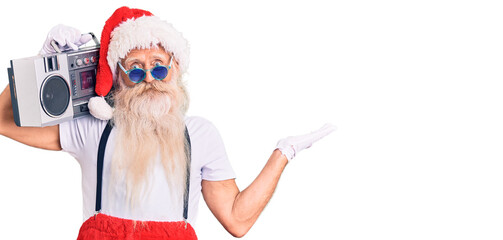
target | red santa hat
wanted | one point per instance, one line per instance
(128, 29)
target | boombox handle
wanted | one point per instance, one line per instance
(56, 47)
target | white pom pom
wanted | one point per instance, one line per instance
(100, 109)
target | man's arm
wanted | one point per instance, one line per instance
(237, 211)
(39, 137)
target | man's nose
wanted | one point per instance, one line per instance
(148, 77)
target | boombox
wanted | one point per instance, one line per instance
(49, 89)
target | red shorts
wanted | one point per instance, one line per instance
(104, 227)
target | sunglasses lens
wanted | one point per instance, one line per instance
(136, 75)
(159, 72)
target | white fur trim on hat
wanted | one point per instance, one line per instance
(99, 108)
(142, 33)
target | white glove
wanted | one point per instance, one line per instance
(290, 146)
(66, 37)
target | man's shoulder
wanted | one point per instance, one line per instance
(197, 124)
(197, 120)
(86, 118)
(85, 123)
(77, 135)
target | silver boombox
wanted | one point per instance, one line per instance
(49, 89)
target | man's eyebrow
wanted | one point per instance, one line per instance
(161, 56)
(128, 60)
(154, 55)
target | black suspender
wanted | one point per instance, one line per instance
(99, 175)
(188, 152)
(99, 171)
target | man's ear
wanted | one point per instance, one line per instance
(175, 73)
(176, 66)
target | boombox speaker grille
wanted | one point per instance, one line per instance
(55, 96)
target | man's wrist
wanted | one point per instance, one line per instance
(277, 155)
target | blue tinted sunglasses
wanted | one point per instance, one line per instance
(137, 75)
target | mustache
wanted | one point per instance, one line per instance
(156, 86)
(145, 91)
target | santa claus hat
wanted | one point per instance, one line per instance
(128, 29)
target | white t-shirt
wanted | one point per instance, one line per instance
(81, 138)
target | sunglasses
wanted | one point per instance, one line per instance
(136, 75)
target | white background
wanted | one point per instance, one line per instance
(415, 88)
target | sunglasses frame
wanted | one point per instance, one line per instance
(127, 72)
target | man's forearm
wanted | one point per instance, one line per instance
(6, 115)
(39, 137)
(251, 202)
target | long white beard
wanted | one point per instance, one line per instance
(150, 125)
